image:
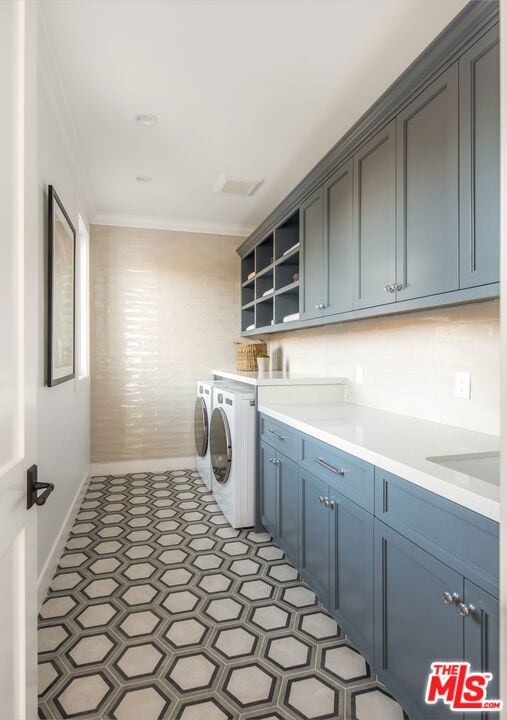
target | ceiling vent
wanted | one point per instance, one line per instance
(236, 186)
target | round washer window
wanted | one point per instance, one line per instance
(200, 427)
(220, 446)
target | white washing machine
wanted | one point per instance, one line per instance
(202, 415)
(232, 452)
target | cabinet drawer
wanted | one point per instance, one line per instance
(463, 539)
(345, 473)
(280, 436)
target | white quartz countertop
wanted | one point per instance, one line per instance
(399, 444)
(276, 377)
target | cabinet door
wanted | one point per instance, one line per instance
(312, 244)
(482, 635)
(338, 237)
(268, 490)
(480, 162)
(288, 507)
(314, 536)
(427, 189)
(375, 219)
(413, 626)
(352, 572)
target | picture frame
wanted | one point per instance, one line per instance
(61, 340)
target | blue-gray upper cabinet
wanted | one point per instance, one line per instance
(480, 162)
(427, 191)
(338, 241)
(413, 626)
(311, 228)
(375, 220)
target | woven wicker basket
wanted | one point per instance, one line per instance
(246, 355)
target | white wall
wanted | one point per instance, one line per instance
(503, 306)
(63, 453)
(409, 361)
(165, 311)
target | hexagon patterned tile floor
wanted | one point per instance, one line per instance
(160, 610)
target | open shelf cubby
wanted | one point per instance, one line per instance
(247, 266)
(287, 272)
(248, 318)
(264, 283)
(286, 303)
(264, 313)
(264, 254)
(286, 236)
(248, 293)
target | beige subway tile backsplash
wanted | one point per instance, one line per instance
(409, 361)
(165, 310)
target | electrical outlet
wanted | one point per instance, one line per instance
(359, 374)
(462, 385)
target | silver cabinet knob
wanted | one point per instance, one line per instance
(276, 462)
(323, 307)
(449, 598)
(327, 502)
(321, 499)
(465, 610)
(398, 286)
(387, 288)
(331, 505)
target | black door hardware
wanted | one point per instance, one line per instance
(33, 486)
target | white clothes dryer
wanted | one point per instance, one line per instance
(232, 452)
(203, 408)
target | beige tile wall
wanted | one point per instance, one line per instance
(409, 361)
(165, 310)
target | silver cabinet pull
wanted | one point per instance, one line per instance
(331, 505)
(321, 499)
(324, 464)
(317, 307)
(274, 434)
(388, 288)
(398, 286)
(465, 610)
(449, 598)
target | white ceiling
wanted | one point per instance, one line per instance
(250, 88)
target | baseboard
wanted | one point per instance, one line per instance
(49, 567)
(124, 467)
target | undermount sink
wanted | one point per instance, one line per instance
(485, 466)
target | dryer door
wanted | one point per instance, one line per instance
(200, 427)
(220, 446)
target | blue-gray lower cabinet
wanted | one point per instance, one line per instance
(336, 558)
(413, 626)
(279, 498)
(268, 490)
(383, 555)
(288, 507)
(352, 572)
(482, 635)
(315, 539)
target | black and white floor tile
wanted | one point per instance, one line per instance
(160, 610)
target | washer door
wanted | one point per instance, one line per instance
(220, 446)
(200, 427)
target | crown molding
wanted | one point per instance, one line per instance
(147, 222)
(51, 81)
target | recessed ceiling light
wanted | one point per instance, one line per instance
(146, 120)
(144, 178)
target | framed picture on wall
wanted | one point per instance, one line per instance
(61, 292)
